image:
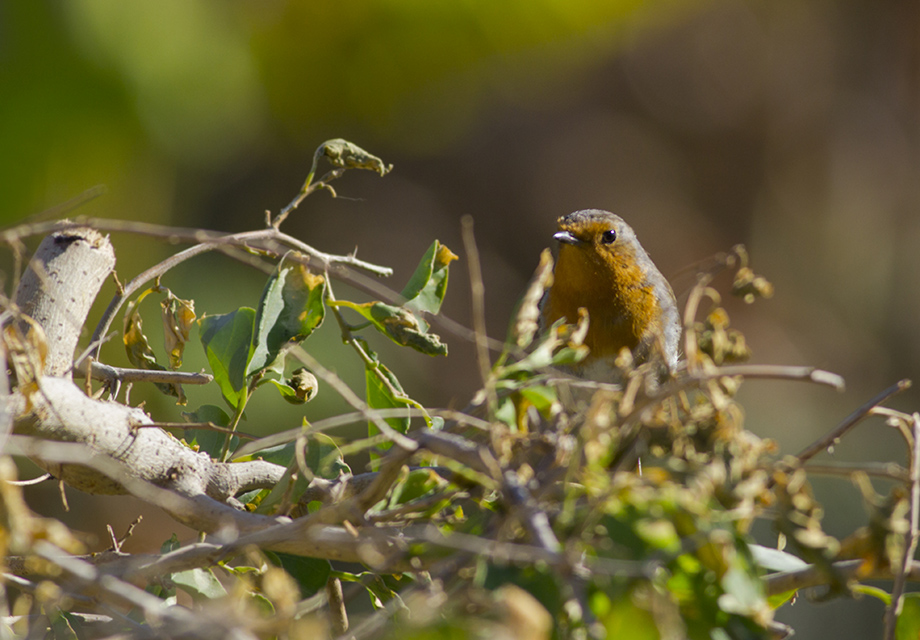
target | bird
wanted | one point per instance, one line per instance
(602, 268)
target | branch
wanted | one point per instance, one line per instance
(268, 239)
(814, 576)
(110, 374)
(60, 286)
(852, 420)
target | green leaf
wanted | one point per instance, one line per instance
(300, 388)
(211, 442)
(288, 488)
(385, 392)
(290, 309)
(311, 574)
(399, 325)
(428, 285)
(622, 618)
(65, 626)
(543, 398)
(416, 484)
(908, 625)
(170, 545)
(324, 458)
(227, 341)
(199, 583)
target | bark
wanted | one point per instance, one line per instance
(59, 287)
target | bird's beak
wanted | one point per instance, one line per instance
(565, 237)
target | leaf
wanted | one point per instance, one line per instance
(170, 544)
(300, 388)
(178, 316)
(399, 325)
(383, 391)
(324, 458)
(26, 354)
(347, 155)
(428, 285)
(311, 574)
(227, 341)
(211, 442)
(291, 308)
(775, 559)
(908, 625)
(65, 626)
(139, 352)
(416, 484)
(286, 491)
(199, 583)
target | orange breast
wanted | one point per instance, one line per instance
(613, 289)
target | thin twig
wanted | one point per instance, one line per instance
(204, 426)
(110, 374)
(888, 470)
(344, 419)
(336, 607)
(535, 521)
(477, 289)
(815, 576)
(829, 439)
(910, 546)
(209, 241)
(349, 396)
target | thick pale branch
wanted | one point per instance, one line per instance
(60, 286)
(61, 411)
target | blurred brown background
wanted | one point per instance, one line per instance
(791, 127)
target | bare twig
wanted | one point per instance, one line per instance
(205, 426)
(851, 420)
(535, 521)
(326, 424)
(816, 576)
(479, 314)
(910, 546)
(336, 607)
(349, 396)
(173, 621)
(121, 375)
(269, 238)
(889, 470)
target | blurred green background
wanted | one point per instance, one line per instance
(791, 127)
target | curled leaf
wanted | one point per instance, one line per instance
(300, 388)
(26, 353)
(399, 325)
(428, 285)
(344, 154)
(178, 317)
(139, 352)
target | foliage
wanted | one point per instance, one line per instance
(550, 507)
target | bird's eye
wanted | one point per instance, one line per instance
(609, 236)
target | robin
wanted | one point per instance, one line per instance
(602, 268)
